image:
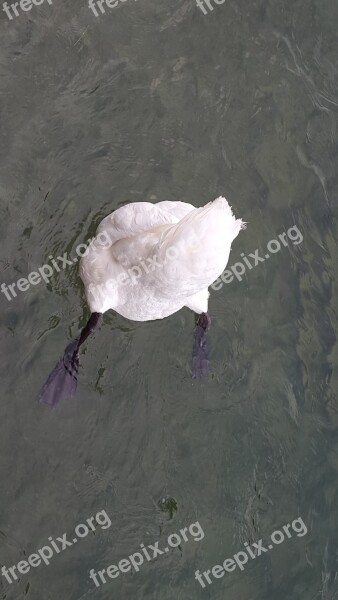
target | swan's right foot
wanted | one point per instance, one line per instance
(200, 360)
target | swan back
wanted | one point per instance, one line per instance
(189, 247)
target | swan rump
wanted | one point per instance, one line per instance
(157, 258)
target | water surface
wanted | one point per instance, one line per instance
(155, 101)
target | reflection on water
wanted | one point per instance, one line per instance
(156, 102)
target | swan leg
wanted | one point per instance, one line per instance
(204, 321)
(200, 360)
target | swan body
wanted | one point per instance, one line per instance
(155, 259)
(158, 258)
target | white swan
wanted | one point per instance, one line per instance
(156, 259)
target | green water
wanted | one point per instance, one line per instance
(157, 101)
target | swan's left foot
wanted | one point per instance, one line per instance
(62, 382)
(200, 360)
